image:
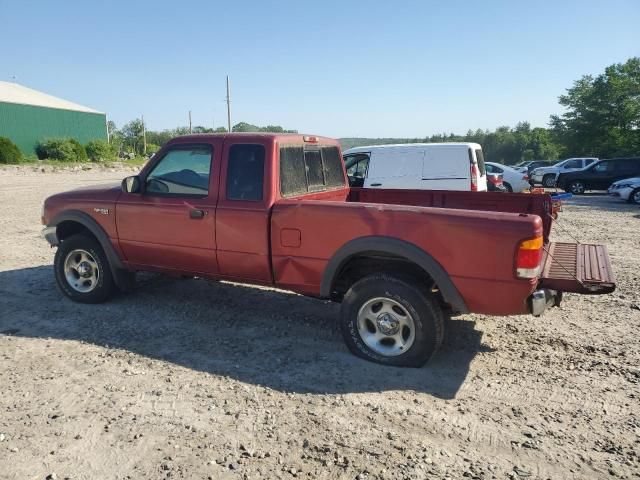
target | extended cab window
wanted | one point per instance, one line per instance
(245, 172)
(573, 164)
(183, 170)
(314, 169)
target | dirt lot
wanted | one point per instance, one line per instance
(195, 379)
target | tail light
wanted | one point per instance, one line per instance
(474, 177)
(310, 139)
(525, 178)
(529, 257)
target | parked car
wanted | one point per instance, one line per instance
(527, 167)
(627, 189)
(495, 183)
(599, 175)
(428, 166)
(547, 176)
(514, 181)
(276, 210)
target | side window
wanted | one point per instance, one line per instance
(588, 161)
(245, 172)
(357, 165)
(183, 170)
(628, 166)
(573, 164)
(603, 167)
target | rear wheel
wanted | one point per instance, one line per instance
(635, 196)
(577, 187)
(549, 181)
(82, 270)
(391, 321)
(508, 187)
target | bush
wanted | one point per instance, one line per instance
(9, 153)
(78, 149)
(100, 151)
(62, 150)
(152, 148)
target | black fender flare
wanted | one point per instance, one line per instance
(84, 219)
(399, 248)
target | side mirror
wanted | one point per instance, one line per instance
(131, 184)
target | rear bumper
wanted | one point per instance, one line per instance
(49, 234)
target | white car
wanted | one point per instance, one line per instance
(627, 189)
(547, 176)
(513, 180)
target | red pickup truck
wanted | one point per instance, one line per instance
(274, 209)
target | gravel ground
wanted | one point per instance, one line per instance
(196, 379)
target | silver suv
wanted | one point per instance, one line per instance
(547, 176)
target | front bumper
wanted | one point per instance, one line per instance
(49, 234)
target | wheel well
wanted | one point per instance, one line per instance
(363, 264)
(68, 227)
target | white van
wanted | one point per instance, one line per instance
(428, 166)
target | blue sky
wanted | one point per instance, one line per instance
(336, 68)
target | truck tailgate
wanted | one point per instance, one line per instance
(577, 268)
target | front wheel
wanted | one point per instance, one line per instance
(82, 270)
(549, 181)
(577, 187)
(635, 196)
(390, 321)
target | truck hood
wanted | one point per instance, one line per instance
(104, 192)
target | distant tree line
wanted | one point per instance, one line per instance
(130, 138)
(601, 118)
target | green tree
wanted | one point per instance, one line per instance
(602, 116)
(132, 136)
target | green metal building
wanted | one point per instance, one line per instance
(27, 117)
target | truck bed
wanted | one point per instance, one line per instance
(523, 203)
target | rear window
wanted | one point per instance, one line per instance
(314, 169)
(480, 159)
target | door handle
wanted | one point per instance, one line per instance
(196, 213)
(376, 184)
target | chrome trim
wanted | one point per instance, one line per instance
(542, 299)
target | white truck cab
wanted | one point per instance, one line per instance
(427, 166)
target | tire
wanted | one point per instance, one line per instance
(577, 187)
(508, 187)
(549, 181)
(634, 197)
(412, 318)
(82, 271)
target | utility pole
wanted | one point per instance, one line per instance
(228, 105)
(190, 131)
(144, 137)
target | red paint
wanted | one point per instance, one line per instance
(288, 242)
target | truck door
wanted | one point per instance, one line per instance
(171, 223)
(243, 212)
